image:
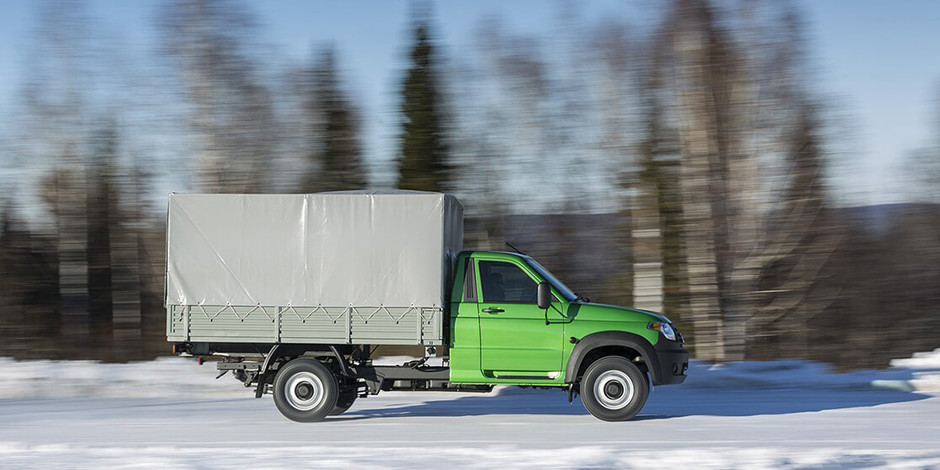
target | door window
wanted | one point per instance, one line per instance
(506, 283)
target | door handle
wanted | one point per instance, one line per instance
(493, 310)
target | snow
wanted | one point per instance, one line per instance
(921, 360)
(919, 373)
(172, 413)
(164, 377)
(396, 457)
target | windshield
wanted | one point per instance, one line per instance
(558, 285)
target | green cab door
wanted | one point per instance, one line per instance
(515, 342)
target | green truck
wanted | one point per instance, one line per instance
(293, 294)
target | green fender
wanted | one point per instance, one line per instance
(612, 338)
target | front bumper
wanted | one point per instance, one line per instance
(673, 363)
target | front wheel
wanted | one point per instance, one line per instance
(613, 389)
(305, 390)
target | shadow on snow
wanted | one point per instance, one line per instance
(664, 402)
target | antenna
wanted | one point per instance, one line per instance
(515, 249)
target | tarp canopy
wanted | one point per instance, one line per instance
(393, 249)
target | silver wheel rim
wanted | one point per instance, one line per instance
(607, 386)
(304, 391)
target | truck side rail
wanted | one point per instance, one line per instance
(418, 325)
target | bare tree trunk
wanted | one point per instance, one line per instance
(744, 202)
(72, 236)
(799, 246)
(702, 185)
(650, 214)
(648, 267)
(125, 270)
(638, 280)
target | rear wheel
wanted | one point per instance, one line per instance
(347, 396)
(305, 390)
(614, 389)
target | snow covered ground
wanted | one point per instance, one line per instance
(171, 413)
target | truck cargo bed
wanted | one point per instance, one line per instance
(329, 268)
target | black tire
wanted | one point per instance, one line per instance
(614, 389)
(305, 390)
(347, 396)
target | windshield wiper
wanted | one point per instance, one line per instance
(582, 297)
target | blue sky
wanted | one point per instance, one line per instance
(882, 57)
(877, 59)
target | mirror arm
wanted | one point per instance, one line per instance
(555, 309)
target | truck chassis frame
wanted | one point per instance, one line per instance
(258, 369)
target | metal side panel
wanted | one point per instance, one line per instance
(432, 331)
(314, 325)
(232, 324)
(176, 324)
(323, 325)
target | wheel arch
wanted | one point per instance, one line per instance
(281, 353)
(623, 343)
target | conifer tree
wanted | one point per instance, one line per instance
(422, 164)
(334, 123)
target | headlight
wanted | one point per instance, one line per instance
(664, 328)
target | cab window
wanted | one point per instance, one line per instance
(506, 283)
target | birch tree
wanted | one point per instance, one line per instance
(231, 123)
(703, 65)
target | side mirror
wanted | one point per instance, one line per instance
(545, 295)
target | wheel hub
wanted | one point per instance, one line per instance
(304, 391)
(613, 389)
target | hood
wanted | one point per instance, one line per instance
(592, 311)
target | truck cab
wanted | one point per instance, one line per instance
(500, 334)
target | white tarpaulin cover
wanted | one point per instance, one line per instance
(393, 249)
